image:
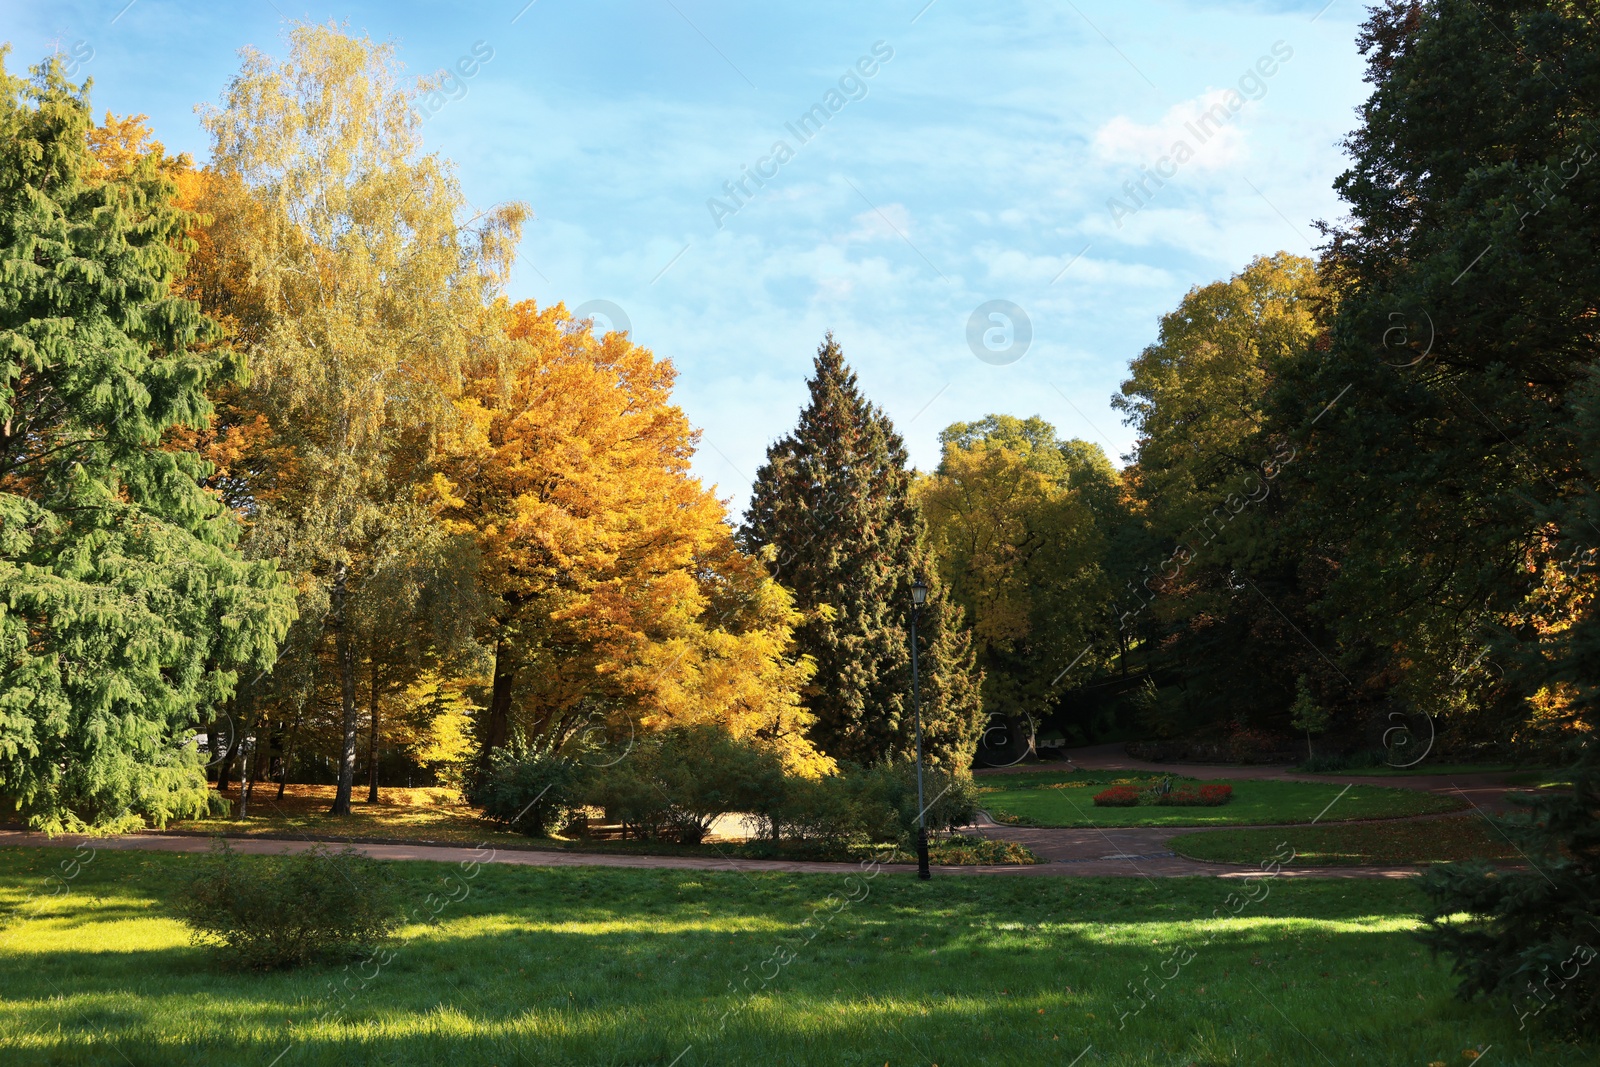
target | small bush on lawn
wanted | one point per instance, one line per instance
(279, 911)
(524, 791)
(1209, 796)
(676, 783)
(822, 816)
(887, 793)
(1118, 796)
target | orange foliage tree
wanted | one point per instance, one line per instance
(617, 600)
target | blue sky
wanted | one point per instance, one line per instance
(975, 164)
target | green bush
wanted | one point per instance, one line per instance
(1330, 763)
(675, 784)
(279, 911)
(525, 792)
(887, 796)
(964, 851)
(823, 816)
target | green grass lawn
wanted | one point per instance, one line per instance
(1386, 771)
(1353, 844)
(1541, 779)
(599, 966)
(1064, 799)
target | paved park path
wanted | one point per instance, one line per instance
(1134, 852)
(1079, 852)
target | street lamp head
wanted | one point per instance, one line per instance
(919, 592)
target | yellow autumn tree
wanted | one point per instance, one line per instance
(358, 272)
(615, 596)
(1018, 521)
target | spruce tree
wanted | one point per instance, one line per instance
(834, 500)
(126, 612)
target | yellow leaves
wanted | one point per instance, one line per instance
(611, 567)
(120, 145)
(445, 735)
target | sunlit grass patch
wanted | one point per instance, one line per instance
(1354, 844)
(606, 966)
(1041, 799)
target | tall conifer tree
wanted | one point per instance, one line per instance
(126, 611)
(834, 498)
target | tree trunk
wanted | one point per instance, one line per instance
(372, 747)
(291, 740)
(212, 763)
(225, 768)
(247, 780)
(496, 727)
(347, 692)
(283, 780)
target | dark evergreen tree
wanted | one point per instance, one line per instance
(127, 611)
(1531, 934)
(834, 499)
(1467, 278)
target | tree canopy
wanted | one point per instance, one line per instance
(128, 608)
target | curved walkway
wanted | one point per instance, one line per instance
(1135, 852)
(1081, 852)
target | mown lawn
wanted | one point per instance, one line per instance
(1422, 769)
(1065, 799)
(597, 966)
(1354, 844)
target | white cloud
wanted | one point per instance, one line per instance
(889, 221)
(1207, 124)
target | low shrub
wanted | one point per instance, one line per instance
(279, 911)
(822, 816)
(525, 792)
(1325, 764)
(962, 850)
(1118, 796)
(887, 794)
(675, 784)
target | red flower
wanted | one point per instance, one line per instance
(1118, 796)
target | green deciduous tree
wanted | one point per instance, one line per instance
(1213, 584)
(834, 501)
(127, 610)
(1018, 521)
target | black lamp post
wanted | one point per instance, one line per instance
(919, 596)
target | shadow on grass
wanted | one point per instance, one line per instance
(603, 966)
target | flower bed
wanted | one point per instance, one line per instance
(1118, 796)
(1209, 796)
(1127, 796)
